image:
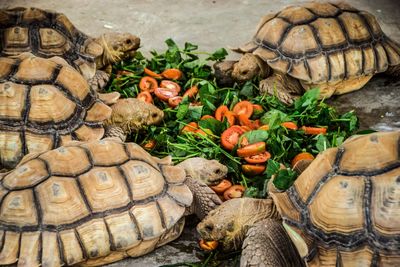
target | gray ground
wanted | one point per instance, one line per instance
(213, 24)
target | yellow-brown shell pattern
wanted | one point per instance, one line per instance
(43, 104)
(346, 204)
(89, 202)
(323, 42)
(46, 34)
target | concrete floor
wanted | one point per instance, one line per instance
(213, 24)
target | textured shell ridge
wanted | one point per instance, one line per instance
(369, 191)
(316, 32)
(85, 211)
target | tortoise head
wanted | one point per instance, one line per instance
(210, 172)
(116, 47)
(228, 223)
(248, 67)
(132, 115)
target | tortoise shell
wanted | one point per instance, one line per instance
(47, 34)
(323, 42)
(43, 104)
(77, 204)
(345, 207)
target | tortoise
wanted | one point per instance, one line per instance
(45, 103)
(47, 33)
(343, 210)
(335, 47)
(77, 205)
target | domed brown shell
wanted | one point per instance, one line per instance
(323, 42)
(47, 34)
(346, 204)
(43, 104)
(79, 204)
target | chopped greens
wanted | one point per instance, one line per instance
(282, 143)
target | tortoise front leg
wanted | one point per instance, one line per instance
(204, 198)
(99, 81)
(284, 87)
(267, 244)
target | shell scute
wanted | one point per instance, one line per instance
(144, 181)
(149, 220)
(61, 194)
(18, 208)
(104, 181)
(78, 161)
(124, 231)
(94, 238)
(26, 175)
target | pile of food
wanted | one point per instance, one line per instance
(254, 136)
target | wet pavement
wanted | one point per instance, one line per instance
(213, 24)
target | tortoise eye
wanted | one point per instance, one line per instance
(129, 41)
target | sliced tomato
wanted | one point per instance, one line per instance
(230, 137)
(145, 96)
(174, 101)
(190, 127)
(302, 156)
(244, 141)
(230, 116)
(246, 128)
(259, 158)
(152, 73)
(170, 85)
(289, 125)
(221, 187)
(245, 121)
(219, 113)
(313, 130)
(204, 117)
(253, 170)
(191, 92)
(243, 108)
(173, 74)
(150, 144)
(264, 127)
(148, 83)
(165, 93)
(251, 150)
(235, 191)
(208, 245)
(257, 107)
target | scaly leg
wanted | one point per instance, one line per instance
(267, 244)
(99, 81)
(284, 87)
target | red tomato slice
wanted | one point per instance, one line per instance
(174, 101)
(243, 108)
(230, 137)
(252, 170)
(259, 158)
(165, 93)
(219, 113)
(235, 191)
(191, 92)
(152, 73)
(222, 186)
(251, 150)
(148, 83)
(230, 116)
(145, 96)
(170, 85)
(289, 125)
